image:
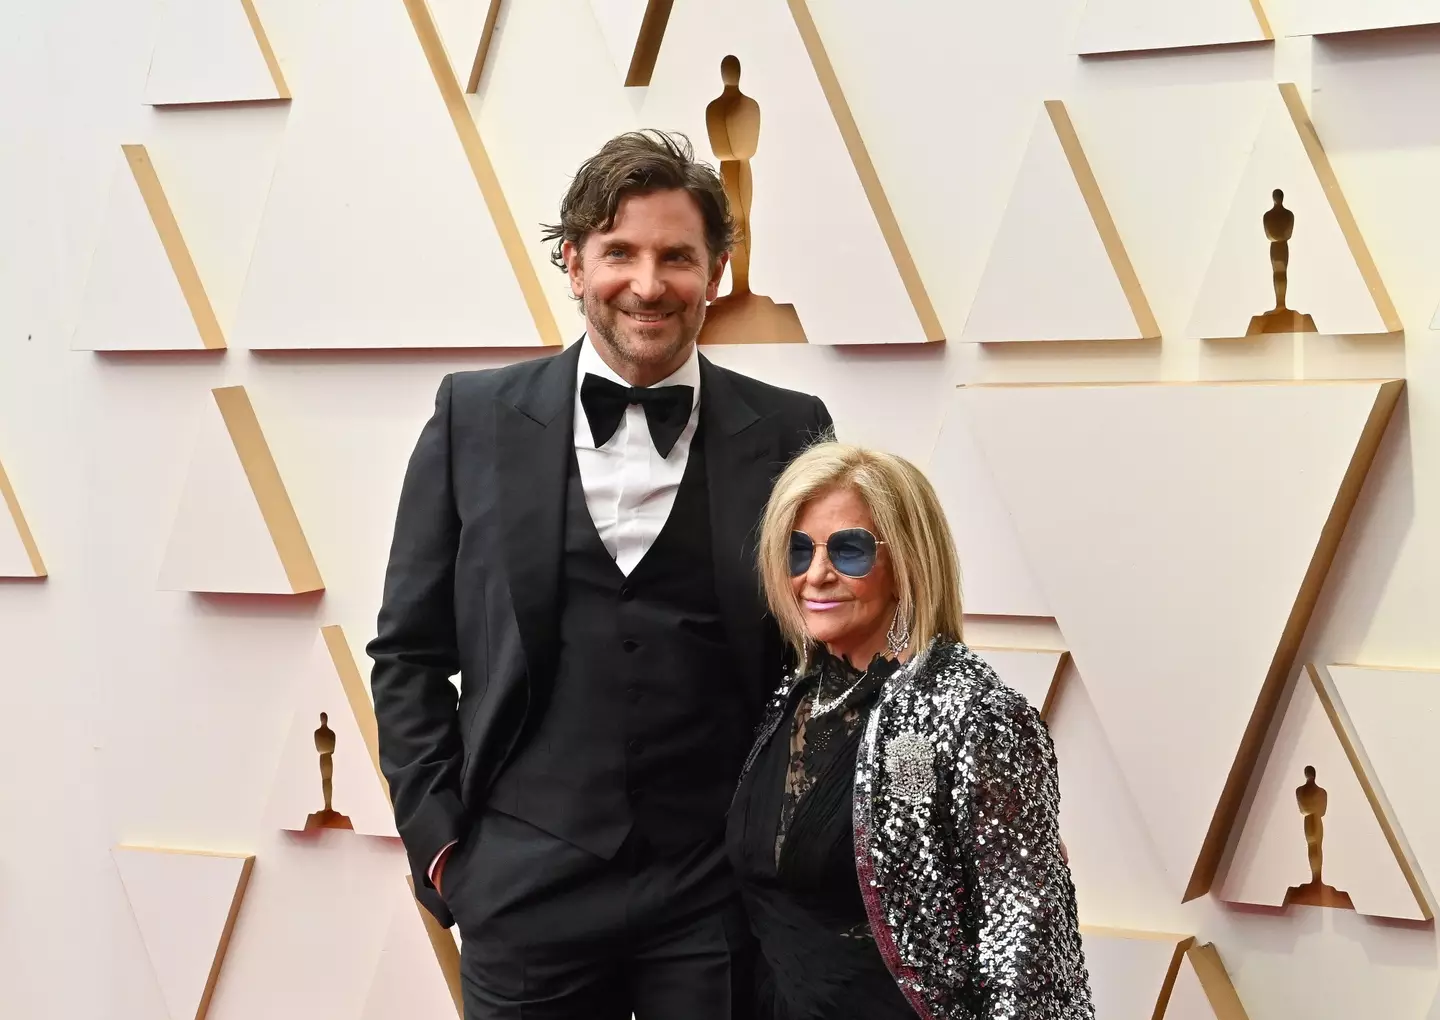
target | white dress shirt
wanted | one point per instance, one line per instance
(629, 488)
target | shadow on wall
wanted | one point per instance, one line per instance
(1374, 540)
(1356, 78)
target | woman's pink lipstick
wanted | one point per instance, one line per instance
(819, 607)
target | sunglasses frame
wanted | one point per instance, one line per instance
(826, 546)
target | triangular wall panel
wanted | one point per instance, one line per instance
(378, 232)
(330, 683)
(212, 51)
(633, 30)
(1033, 672)
(185, 904)
(869, 290)
(142, 290)
(1119, 877)
(1142, 975)
(1198, 138)
(466, 27)
(1058, 269)
(1394, 715)
(235, 530)
(409, 981)
(1203, 990)
(1325, 17)
(1358, 851)
(1131, 971)
(1116, 491)
(19, 555)
(995, 578)
(1118, 26)
(1331, 276)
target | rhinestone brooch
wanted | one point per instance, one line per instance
(910, 763)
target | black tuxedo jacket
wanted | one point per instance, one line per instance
(474, 569)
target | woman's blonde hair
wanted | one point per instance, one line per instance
(908, 518)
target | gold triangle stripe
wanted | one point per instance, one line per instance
(176, 250)
(7, 493)
(266, 50)
(469, 135)
(268, 488)
(865, 168)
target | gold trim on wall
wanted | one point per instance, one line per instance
(142, 168)
(482, 51)
(1104, 223)
(447, 954)
(355, 689)
(269, 490)
(266, 50)
(647, 43)
(1263, 21)
(469, 135)
(865, 169)
(1305, 128)
(7, 493)
(1056, 682)
(1215, 981)
(1247, 756)
(1181, 943)
(222, 945)
(1355, 752)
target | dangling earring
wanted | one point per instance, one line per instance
(897, 639)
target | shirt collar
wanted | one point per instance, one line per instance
(688, 374)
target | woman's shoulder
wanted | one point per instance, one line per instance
(965, 687)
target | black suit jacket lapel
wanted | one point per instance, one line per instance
(742, 452)
(534, 435)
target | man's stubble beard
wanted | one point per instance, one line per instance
(603, 319)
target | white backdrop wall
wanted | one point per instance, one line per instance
(141, 716)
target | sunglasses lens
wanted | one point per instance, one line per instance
(802, 550)
(852, 552)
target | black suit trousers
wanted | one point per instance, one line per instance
(551, 932)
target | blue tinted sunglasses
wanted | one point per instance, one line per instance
(852, 552)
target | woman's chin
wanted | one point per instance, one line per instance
(823, 630)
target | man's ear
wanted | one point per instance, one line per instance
(717, 271)
(574, 267)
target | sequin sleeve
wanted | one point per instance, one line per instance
(1029, 961)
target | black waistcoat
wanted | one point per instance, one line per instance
(644, 725)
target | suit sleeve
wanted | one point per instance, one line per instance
(415, 653)
(1029, 953)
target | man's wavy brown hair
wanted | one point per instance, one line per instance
(637, 163)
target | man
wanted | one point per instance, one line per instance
(575, 538)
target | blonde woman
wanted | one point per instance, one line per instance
(895, 830)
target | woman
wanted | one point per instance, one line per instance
(895, 829)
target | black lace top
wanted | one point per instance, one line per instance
(791, 843)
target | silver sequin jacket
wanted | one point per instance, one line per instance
(957, 844)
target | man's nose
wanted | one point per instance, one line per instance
(646, 282)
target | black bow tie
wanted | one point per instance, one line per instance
(667, 409)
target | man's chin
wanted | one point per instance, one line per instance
(656, 346)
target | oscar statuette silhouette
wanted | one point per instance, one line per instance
(1313, 800)
(742, 316)
(1279, 224)
(327, 817)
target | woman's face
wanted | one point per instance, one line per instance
(850, 615)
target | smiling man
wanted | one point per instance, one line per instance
(575, 538)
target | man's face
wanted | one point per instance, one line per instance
(645, 283)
